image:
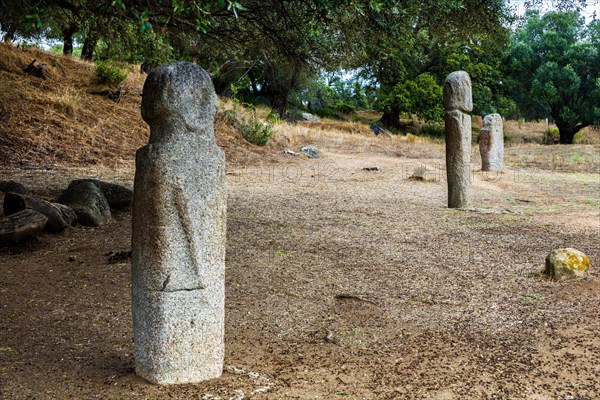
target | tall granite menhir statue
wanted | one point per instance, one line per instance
(179, 216)
(491, 143)
(458, 103)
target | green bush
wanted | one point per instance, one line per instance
(580, 138)
(327, 113)
(273, 118)
(256, 131)
(231, 116)
(344, 108)
(436, 131)
(551, 135)
(109, 72)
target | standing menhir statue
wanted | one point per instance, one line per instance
(458, 102)
(179, 216)
(491, 143)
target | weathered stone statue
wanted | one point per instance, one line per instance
(491, 143)
(179, 216)
(458, 102)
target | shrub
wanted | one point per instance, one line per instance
(231, 116)
(273, 118)
(256, 131)
(327, 113)
(551, 135)
(436, 131)
(344, 108)
(580, 138)
(109, 72)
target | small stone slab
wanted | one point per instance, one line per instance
(310, 117)
(310, 152)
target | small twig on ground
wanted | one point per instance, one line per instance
(343, 296)
(490, 210)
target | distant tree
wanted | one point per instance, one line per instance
(554, 65)
(421, 97)
(20, 18)
(405, 40)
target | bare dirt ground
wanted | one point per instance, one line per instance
(341, 284)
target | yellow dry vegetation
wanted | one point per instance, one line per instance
(60, 120)
(57, 119)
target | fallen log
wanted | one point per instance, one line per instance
(59, 215)
(21, 225)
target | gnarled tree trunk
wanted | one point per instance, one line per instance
(9, 36)
(68, 38)
(89, 45)
(391, 117)
(566, 130)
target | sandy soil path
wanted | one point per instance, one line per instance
(341, 283)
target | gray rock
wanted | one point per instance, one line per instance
(59, 216)
(567, 263)
(491, 143)
(378, 129)
(316, 105)
(118, 196)
(457, 101)
(291, 152)
(310, 117)
(310, 152)
(179, 217)
(457, 92)
(13, 187)
(262, 101)
(88, 202)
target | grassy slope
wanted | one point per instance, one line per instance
(58, 121)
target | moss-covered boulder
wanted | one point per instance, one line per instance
(566, 263)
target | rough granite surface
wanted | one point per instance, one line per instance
(179, 217)
(491, 143)
(457, 103)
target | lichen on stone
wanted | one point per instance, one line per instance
(566, 263)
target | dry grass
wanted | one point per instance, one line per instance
(557, 158)
(68, 102)
(524, 132)
(56, 121)
(355, 138)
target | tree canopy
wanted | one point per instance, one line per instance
(554, 70)
(399, 51)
